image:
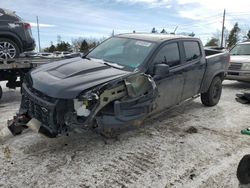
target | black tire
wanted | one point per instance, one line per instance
(243, 170)
(8, 49)
(212, 96)
(1, 92)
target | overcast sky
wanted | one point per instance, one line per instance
(97, 18)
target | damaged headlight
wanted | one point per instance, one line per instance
(84, 103)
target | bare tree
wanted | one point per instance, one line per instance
(212, 42)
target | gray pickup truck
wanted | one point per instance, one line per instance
(119, 83)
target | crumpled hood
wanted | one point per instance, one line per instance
(66, 79)
(240, 58)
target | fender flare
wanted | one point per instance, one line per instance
(207, 81)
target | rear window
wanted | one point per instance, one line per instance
(192, 50)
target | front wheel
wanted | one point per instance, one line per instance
(212, 96)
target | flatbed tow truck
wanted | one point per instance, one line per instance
(12, 69)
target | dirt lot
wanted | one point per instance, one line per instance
(189, 146)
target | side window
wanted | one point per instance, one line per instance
(192, 50)
(169, 54)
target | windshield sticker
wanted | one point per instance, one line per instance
(143, 43)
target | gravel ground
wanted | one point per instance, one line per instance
(188, 146)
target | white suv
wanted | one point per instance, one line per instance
(239, 68)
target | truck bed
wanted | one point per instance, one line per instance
(209, 52)
(218, 57)
(216, 60)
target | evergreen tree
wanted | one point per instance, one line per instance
(191, 34)
(153, 30)
(63, 46)
(163, 31)
(233, 35)
(84, 47)
(52, 48)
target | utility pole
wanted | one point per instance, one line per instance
(223, 27)
(38, 33)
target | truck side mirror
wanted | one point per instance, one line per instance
(161, 69)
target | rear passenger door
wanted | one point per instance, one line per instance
(193, 67)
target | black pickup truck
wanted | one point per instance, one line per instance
(119, 83)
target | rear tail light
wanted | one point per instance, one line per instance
(27, 26)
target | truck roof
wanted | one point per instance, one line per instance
(153, 37)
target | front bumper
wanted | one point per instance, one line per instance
(117, 106)
(34, 106)
(238, 75)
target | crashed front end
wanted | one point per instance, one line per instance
(110, 106)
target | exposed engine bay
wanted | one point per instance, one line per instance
(118, 103)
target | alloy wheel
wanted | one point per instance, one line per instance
(7, 50)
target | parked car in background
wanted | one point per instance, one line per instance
(72, 55)
(15, 35)
(44, 55)
(66, 54)
(239, 67)
(61, 53)
(30, 54)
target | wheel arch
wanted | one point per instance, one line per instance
(14, 38)
(207, 82)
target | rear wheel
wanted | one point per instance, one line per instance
(212, 96)
(8, 49)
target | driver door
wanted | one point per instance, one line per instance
(170, 86)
